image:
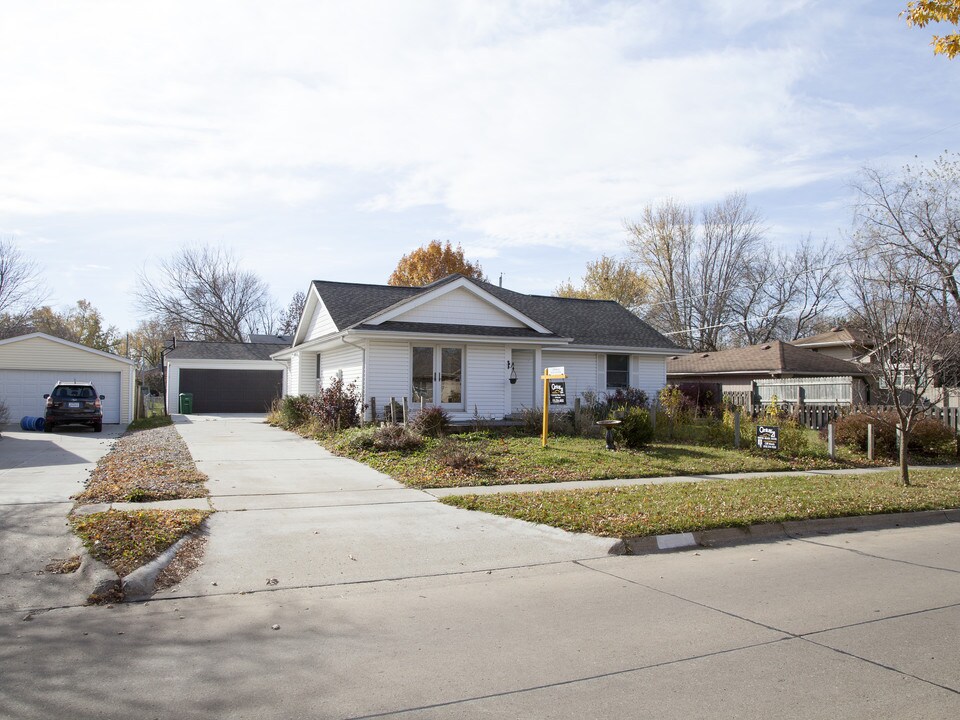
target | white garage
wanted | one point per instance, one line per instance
(30, 365)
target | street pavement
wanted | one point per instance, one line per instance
(387, 604)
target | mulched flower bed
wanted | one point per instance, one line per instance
(143, 466)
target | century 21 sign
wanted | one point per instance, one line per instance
(558, 392)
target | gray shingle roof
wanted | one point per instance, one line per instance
(195, 350)
(841, 336)
(588, 322)
(771, 358)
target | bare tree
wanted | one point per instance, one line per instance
(787, 295)
(696, 271)
(203, 291)
(290, 317)
(21, 288)
(915, 215)
(914, 344)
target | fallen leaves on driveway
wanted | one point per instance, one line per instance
(144, 466)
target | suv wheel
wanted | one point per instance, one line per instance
(98, 427)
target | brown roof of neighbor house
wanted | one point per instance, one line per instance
(837, 337)
(774, 359)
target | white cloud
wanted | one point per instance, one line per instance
(534, 124)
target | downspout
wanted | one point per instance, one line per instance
(363, 371)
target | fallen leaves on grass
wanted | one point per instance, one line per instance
(686, 507)
(125, 540)
(142, 466)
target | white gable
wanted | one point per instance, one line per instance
(320, 323)
(459, 307)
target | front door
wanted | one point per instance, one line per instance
(438, 375)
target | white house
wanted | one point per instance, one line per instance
(473, 348)
(30, 365)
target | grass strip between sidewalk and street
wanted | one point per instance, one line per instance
(125, 540)
(642, 510)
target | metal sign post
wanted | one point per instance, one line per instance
(549, 395)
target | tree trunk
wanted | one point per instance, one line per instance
(904, 470)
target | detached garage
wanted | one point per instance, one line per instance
(30, 365)
(223, 377)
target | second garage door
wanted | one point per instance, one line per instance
(231, 391)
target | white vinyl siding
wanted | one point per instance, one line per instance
(69, 362)
(486, 376)
(348, 360)
(321, 323)
(521, 392)
(459, 307)
(649, 373)
(580, 369)
(388, 373)
(303, 374)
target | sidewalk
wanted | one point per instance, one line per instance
(626, 482)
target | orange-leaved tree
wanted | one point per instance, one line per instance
(923, 12)
(432, 262)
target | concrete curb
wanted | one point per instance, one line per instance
(139, 584)
(104, 581)
(794, 529)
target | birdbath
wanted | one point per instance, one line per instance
(608, 424)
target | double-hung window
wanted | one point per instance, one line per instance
(618, 371)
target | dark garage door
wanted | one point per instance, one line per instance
(229, 391)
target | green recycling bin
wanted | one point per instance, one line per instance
(186, 403)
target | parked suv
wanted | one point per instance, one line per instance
(73, 403)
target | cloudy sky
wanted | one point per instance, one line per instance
(323, 140)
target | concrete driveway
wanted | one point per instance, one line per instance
(857, 625)
(290, 511)
(38, 474)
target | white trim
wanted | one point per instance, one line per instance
(407, 305)
(68, 343)
(309, 307)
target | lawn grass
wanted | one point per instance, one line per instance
(690, 506)
(125, 540)
(510, 459)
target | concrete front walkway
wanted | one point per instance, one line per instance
(291, 514)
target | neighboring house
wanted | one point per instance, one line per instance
(473, 348)
(844, 343)
(736, 370)
(223, 377)
(30, 365)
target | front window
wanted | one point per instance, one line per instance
(618, 371)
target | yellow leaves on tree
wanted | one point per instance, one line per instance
(431, 263)
(923, 12)
(609, 279)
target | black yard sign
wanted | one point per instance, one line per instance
(768, 437)
(558, 392)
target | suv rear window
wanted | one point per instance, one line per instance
(62, 392)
